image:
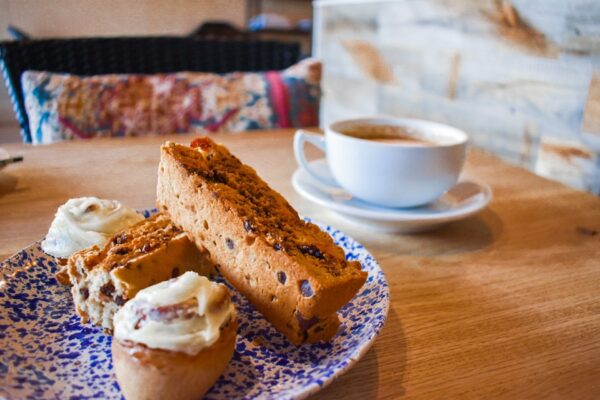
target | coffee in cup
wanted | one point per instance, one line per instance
(391, 162)
(390, 134)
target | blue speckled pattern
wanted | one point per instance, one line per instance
(45, 352)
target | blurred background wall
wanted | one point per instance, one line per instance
(68, 18)
(522, 77)
(89, 18)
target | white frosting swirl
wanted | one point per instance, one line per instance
(84, 222)
(160, 316)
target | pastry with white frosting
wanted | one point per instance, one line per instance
(174, 339)
(84, 222)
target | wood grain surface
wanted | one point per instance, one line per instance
(505, 304)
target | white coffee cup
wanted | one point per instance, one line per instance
(404, 173)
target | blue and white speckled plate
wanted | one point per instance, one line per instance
(45, 352)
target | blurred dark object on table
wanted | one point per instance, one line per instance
(10, 160)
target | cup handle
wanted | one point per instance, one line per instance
(300, 138)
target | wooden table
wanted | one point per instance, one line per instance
(505, 304)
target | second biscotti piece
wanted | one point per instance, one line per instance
(149, 252)
(289, 269)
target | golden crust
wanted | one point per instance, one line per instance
(62, 275)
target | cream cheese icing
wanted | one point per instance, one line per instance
(84, 222)
(184, 314)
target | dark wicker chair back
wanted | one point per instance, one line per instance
(135, 55)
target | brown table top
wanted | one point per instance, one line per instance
(505, 304)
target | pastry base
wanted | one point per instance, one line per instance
(147, 374)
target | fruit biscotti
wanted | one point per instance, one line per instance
(289, 269)
(149, 252)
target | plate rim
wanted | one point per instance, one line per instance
(298, 392)
(391, 215)
(362, 351)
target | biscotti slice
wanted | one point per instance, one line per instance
(289, 269)
(151, 251)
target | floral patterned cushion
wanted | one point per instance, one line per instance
(64, 107)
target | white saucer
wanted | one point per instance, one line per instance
(464, 199)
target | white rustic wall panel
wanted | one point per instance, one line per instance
(516, 75)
